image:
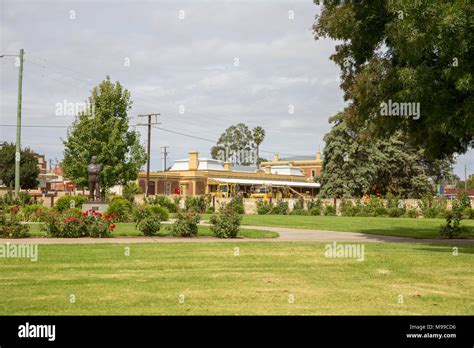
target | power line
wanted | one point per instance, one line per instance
(152, 120)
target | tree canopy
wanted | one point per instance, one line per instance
(406, 51)
(103, 131)
(29, 170)
(355, 165)
(236, 144)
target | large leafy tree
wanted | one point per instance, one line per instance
(29, 170)
(103, 131)
(233, 144)
(406, 51)
(355, 165)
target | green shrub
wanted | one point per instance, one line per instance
(210, 210)
(442, 214)
(347, 208)
(381, 211)
(163, 201)
(395, 212)
(31, 213)
(329, 210)
(197, 204)
(411, 213)
(280, 208)
(263, 207)
(315, 211)
(300, 212)
(12, 228)
(452, 228)
(299, 205)
(145, 211)
(130, 190)
(186, 224)
(226, 224)
(121, 207)
(66, 202)
(432, 207)
(161, 212)
(468, 213)
(237, 205)
(314, 204)
(150, 225)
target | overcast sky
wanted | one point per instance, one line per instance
(172, 53)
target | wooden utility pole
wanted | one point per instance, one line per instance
(165, 156)
(18, 126)
(152, 119)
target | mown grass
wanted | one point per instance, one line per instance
(259, 281)
(402, 227)
(129, 230)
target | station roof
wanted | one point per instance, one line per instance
(267, 182)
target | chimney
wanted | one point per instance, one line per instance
(276, 158)
(228, 166)
(193, 160)
(318, 156)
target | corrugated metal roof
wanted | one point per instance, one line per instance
(267, 182)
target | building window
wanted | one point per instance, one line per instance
(313, 173)
(168, 188)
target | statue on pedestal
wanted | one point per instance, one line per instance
(93, 171)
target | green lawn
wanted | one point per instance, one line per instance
(403, 227)
(129, 230)
(261, 280)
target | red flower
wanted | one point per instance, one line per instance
(98, 214)
(107, 217)
(85, 213)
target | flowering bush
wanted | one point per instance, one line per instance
(226, 224)
(89, 224)
(186, 225)
(12, 228)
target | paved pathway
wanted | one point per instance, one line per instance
(286, 235)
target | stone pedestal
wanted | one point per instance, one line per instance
(99, 207)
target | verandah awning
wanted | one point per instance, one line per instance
(266, 182)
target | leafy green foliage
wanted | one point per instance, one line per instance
(67, 202)
(406, 51)
(280, 208)
(452, 228)
(329, 210)
(130, 190)
(355, 165)
(120, 206)
(12, 228)
(263, 207)
(163, 201)
(235, 139)
(196, 204)
(236, 204)
(9, 199)
(150, 225)
(29, 170)
(103, 131)
(186, 224)
(226, 224)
